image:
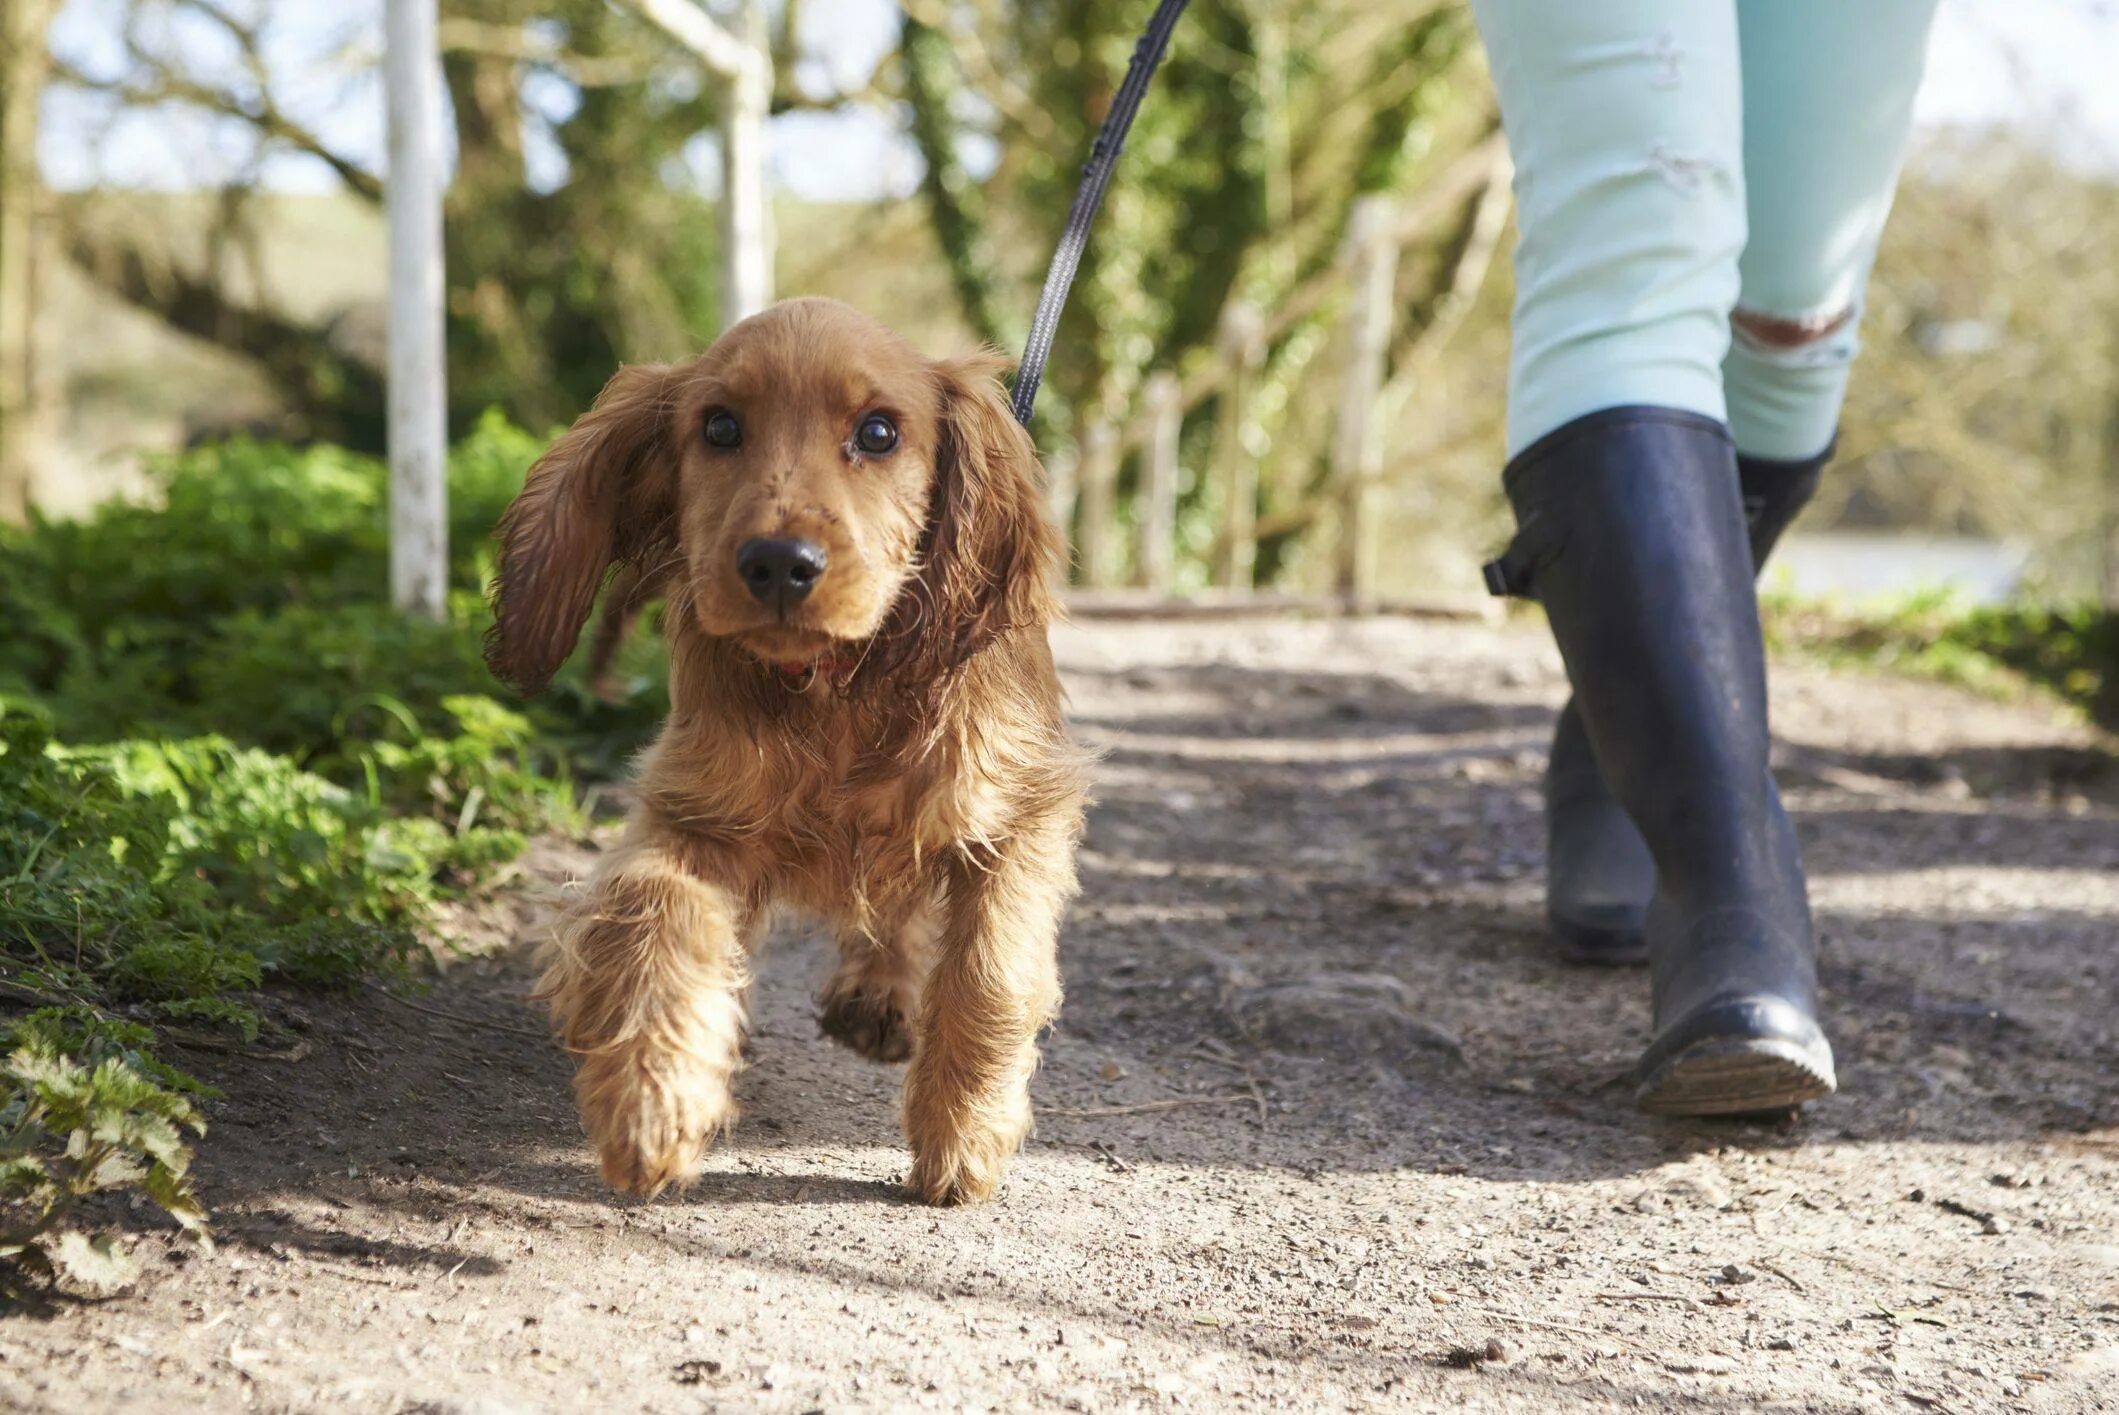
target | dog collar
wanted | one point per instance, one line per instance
(829, 665)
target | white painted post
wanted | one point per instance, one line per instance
(743, 59)
(1165, 400)
(746, 205)
(1357, 446)
(418, 378)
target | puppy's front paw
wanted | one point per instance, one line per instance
(651, 1121)
(964, 1164)
(875, 1027)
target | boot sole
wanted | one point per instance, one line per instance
(1737, 1076)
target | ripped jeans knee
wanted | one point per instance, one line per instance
(1786, 333)
(1785, 378)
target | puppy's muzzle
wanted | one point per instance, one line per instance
(780, 573)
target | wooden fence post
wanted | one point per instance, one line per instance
(1165, 402)
(1097, 485)
(1061, 488)
(1357, 447)
(1235, 473)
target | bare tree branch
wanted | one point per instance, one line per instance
(262, 114)
(527, 46)
(789, 99)
(1010, 99)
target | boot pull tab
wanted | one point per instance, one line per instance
(1513, 573)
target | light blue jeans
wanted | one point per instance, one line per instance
(1700, 186)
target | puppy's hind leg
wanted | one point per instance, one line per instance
(994, 984)
(874, 994)
(645, 983)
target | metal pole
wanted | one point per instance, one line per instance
(418, 378)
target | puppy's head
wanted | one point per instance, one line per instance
(810, 488)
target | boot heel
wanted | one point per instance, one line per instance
(1737, 1077)
(1736, 1056)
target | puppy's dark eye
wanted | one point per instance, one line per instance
(723, 431)
(876, 435)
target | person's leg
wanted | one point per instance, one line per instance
(1626, 124)
(1625, 121)
(1828, 103)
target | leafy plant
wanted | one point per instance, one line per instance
(74, 1126)
(2070, 651)
(227, 766)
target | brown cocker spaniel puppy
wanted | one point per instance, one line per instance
(865, 726)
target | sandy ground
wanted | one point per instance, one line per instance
(1322, 1124)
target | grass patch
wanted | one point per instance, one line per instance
(227, 767)
(2070, 652)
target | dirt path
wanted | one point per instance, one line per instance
(1390, 1127)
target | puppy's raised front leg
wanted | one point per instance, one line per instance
(646, 987)
(994, 984)
(874, 994)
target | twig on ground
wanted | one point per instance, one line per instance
(1875, 1276)
(1548, 1326)
(1215, 1052)
(1099, 1112)
(352, 1275)
(458, 1016)
(1112, 1157)
(1768, 1267)
(1647, 1297)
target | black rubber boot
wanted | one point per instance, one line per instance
(1631, 530)
(1598, 876)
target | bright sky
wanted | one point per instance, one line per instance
(2043, 67)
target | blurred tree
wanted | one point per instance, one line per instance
(24, 63)
(1268, 119)
(604, 253)
(1987, 401)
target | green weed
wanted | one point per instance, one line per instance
(2070, 652)
(228, 767)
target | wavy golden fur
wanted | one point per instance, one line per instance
(885, 753)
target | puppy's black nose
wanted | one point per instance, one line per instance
(781, 572)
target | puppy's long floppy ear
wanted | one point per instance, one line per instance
(602, 494)
(988, 551)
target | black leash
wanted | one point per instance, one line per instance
(1096, 175)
